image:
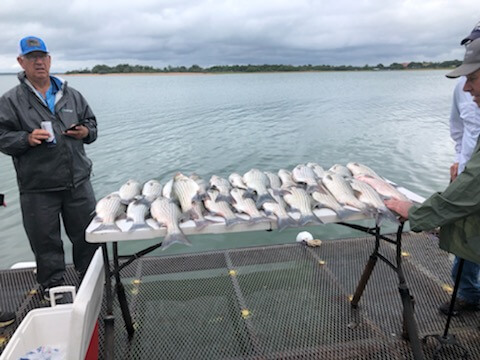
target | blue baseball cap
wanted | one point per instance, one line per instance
(31, 43)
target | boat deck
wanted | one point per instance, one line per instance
(274, 302)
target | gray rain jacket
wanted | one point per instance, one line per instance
(43, 168)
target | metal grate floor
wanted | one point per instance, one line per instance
(276, 302)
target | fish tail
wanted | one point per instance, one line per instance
(177, 237)
(280, 192)
(227, 198)
(249, 194)
(140, 226)
(285, 222)
(386, 215)
(233, 221)
(201, 223)
(263, 199)
(106, 227)
(258, 219)
(344, 213)
(304, 220)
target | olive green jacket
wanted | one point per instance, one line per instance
(456, 211)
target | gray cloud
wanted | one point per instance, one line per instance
(83, 33)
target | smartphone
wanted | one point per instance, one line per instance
(74, 126)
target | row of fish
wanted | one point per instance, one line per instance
(287, 197)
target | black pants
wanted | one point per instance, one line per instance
(41, 219)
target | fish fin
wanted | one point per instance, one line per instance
(233, 221)
(106, 227)
(173, 238)
(258, 219)
(142, 226)
(263, 199)
(267, 212)
(201, 223)
(344, 213)
(226, 198)
(285, 222)
(197, 197)
(280, 192)
(249, 194)
(386, 216)
(304, 220)
(144, 200)
(292, 209)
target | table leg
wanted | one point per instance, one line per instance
(122, 298)
(363, 280)
(446, 338)
(109, 319)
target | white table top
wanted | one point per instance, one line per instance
(216, 227)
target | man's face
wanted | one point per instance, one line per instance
(36, 65)
(472, 85)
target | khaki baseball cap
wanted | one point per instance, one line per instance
(471, 61)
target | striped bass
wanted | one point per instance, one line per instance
(246, 205)
(186, 191)
(360, 169)
(237, 181)
(152, 189)
(305, 175)
(278, 209)
(274, 180)
(167, 213)
(129, 191)
(223, 186)
(382, 187)
(327, 200)
(107, 210)
(317, 169)
(343, 192)
(366, 194)
(221, 208)
(286, 178)
(300, 201)
(341, 170)
(258, 182)
(137, 211)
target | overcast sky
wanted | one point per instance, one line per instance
(84, 33)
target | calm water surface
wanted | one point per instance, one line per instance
(153, 126)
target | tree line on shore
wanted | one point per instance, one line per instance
(127, 68)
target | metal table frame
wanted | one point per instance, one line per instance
(410, 330)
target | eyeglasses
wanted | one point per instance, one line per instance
(34, 56)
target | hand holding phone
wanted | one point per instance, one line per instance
(74, 126)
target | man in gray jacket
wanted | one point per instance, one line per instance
(44, 125)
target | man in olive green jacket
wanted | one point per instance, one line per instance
(457, 209)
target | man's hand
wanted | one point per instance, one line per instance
(453, 171)
(37, 136)
(399, 206)
(80, 132)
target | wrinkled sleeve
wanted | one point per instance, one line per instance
(13, 140)
(85, 113)
(470, 114)
(460, 199)
(456, 126)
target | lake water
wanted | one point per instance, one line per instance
(152, 126)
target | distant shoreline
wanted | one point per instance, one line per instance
(235, 73)
(188, 73)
